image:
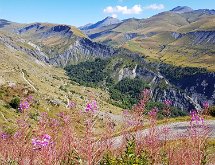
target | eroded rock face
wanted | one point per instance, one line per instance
(200, 86)
(197, 37)
(36, 26)
(127, 73)
(202, 37)
(176, 35)
(179, 99)
(160, 93)
(82, 50)
(37, 53)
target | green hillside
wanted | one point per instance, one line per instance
(168, 37)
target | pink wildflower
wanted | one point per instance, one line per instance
(4, 136)
(206, 105)
(146, 92)
(40, 143)
(24, 105)
(153, 112)
(195, 117)
(167, 102)
(91, 106)
(71, 104)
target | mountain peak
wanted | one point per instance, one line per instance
(105, 22)
(181, 9)
(108, 17)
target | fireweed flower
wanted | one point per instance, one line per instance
(153, 113)
(71, 104)
(146, 92)
(167, 102)
(4, 136)
(39, 143)
(195, 117)
(205, 105)
(24, 105)
(91, 107)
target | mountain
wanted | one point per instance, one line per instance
(166, 36)
(146, 49)
(105, 22)
(181, 9)
(53, 43)
(85, 26)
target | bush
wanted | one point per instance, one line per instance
(14, 103)
(212, 111)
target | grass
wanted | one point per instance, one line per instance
(47, 80)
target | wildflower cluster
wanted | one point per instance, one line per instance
(57, 141)
(40, 143)
(91, 107)
(195, 117)
(25, 104)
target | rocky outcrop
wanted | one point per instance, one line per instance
(179, 99)
(4, 23)
(201, 87)
(202, 37)
(36, 52)
(127, 73)
(161, 88)
(130, 36)
(82, 50)
(197, 37)
(176, 35)
(36, 26)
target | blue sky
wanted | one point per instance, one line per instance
(81, 12)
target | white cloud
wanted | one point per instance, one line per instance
(155, 7)
(109, 9)
(114, 15)
(136, 9)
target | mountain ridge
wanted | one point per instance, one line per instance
(181, 9)
(105, 22)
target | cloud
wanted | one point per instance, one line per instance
(136, 9)
(155, 7)
(114, 15)
(109, 9)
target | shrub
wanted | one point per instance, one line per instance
(14, 103)
(212, 111)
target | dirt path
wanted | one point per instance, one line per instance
(23, 76)
(175, 131)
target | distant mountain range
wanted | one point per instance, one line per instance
(165, 36)
(156, 49)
